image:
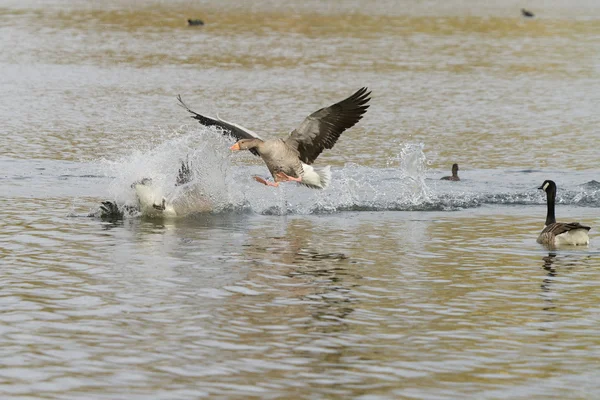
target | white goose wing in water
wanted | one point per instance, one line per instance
(321, 129)
(152, 200)
(229, 128)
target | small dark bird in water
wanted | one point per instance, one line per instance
(454, 176)
(195, 22)
(527, 13)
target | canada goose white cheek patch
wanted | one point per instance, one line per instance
(545, 186)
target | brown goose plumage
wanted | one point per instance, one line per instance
(558, 233)
(290, 158)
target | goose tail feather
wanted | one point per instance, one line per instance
(316, 178)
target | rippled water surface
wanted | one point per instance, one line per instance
(389, 284)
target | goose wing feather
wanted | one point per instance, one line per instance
(321, 129)
(558, 228)
(234, 130)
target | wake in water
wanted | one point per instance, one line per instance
(217, 186)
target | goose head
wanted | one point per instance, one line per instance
(245, 144)
(548, 186)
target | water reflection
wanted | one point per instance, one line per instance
(552, 283)
(549, 267)
(334, 297)
(338, 305)
(317, 283)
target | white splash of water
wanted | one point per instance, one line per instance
(218, 186)
(355, 187)
(413, 168)
(204, 152)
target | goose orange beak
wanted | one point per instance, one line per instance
(235, 147)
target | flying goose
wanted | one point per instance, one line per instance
(290, 159)
(558, 233)
(454, 176)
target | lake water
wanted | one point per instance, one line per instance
(389, 284)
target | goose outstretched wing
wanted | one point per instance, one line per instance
(234, 130)
(321, 129)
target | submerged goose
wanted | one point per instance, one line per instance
(150, 199)
(454, 176)
(290, 159)
(558, 233)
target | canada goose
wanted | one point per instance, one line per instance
(290, 159)
(195, 22)
(527, 13)
(454, 176)
(558, 233)
(150, 199)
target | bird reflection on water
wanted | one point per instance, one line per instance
(321, 282)
(566, 262)
(548, 266)
(335, 297)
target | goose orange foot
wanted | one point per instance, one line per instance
(283, 177)
(265, 182)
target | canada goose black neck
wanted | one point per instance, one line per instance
(550, 188)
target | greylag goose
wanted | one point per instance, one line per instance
(290, 159)
(454, 176)
(558, 233)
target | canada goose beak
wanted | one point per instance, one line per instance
(235, 147)
(541, 187)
